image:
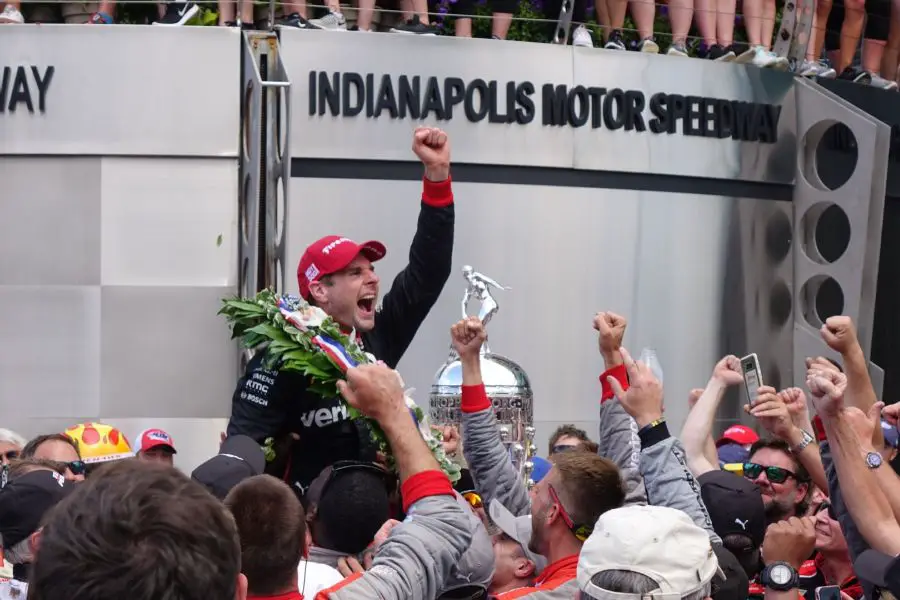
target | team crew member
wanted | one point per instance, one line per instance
(337, 275)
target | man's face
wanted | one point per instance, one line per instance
(510, 564)
(8, 452)
(350, 295)
(60, 452)
(161, 454)
(541, 506)
(779, 498)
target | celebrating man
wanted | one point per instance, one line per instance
(337, 275)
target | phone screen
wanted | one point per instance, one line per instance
(828, 592)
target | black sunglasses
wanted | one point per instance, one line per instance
(826, 505)
(76, 466)
(10, 455)
(563, 448)
(773, 474)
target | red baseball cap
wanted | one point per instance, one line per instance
(738, 434)
(331, 254)
(154, 438)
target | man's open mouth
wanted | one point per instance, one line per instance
(366, 304)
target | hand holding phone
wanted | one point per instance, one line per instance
(828, 592)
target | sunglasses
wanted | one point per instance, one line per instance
(752, 471)
(473, 499)
(77, 467)
(826, 505)
(581, 532)
(563, 448)
(9, 455)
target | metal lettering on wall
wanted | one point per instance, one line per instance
(539, 105)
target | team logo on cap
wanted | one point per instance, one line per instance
(327, 249)
(159, 436)
(312, 272)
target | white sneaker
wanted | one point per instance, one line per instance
(11, 14)
(332, 22)
(582, 37)
(881, 82)
(764, 59)
(815, 69)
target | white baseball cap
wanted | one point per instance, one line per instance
(656, 541)
(516, 528)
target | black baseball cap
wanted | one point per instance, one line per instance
(879, 569)
(239, 458)
(735, 585)
(316, 490)
(26, 499)
(735, 505)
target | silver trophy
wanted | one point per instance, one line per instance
(505, 382)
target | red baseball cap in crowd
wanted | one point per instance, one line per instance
(331, 254)
(154, 438)
(738, 434)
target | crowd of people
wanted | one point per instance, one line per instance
(841, 27)
(811, 508)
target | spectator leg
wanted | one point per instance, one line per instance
(891, 59)
(753, 15)
(500, 24)
(817, 35)
(299, 7)
(643, 12)
(878, 23)
(725, 14)
(601, 12)
(681, 13)
(851, 31)
(706, 15)
(617, 10)
(767, 29)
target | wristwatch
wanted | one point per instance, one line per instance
(807, 440)
(873, 460)
(779, 576)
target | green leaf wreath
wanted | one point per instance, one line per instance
(291, 332)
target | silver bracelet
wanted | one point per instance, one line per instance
(807, 440)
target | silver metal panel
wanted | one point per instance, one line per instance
(862, 200)
(162, 91)
(617, 255)
(535, 144)
(50, 221)
(166, 352)
(50, 355)
(679, 154)
(179, 229)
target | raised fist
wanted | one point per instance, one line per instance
(827, 390)
(728, 371)
(791, 541)
(467, 337)
(374, 390)
(612, 329)
(433, 149)
(643, 400)
(839, 333)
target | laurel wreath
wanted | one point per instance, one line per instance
(260, 324)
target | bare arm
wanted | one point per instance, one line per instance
(696, 435)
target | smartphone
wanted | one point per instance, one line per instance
(752, 376)
(828, 592)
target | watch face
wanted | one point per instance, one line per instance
(780, 575)
(874, 460)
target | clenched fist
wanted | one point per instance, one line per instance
(467, 337)
(375, 391)
(827, 390)
(728, 371)
(790, 541)
(840, 334)
(432, 147)
(612, 329)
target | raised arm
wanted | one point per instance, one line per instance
(418, 286)
(420, 553)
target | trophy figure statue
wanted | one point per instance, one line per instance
(505, 382)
